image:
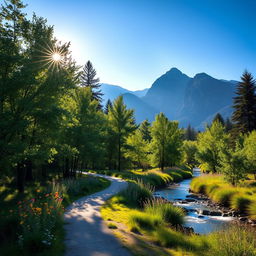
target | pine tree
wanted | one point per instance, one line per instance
(190, 133)
(145, 130)
(122, 123)
(108, 106)
(244, 115)
(218, 117)
(89, 79)
(228, 125)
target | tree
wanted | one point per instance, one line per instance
(108, 106)
(88, 79)
(31, 88)
(145, 130)
(210, 145)
(189, 150)
(166, 142)
(244, 115)
(190, 133)
(228, 125)
(233, 164)
(218, 117)
(137, 149)
(122, 123)
(250, 152)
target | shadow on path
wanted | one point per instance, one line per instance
(86, 233)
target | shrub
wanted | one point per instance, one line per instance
(252, 210)
(166, 211)
(241, 202)
(223, 195)
(141, 220)
(235, 241)
(137, 193)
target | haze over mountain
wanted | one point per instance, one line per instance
(189, 100)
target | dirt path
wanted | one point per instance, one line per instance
(86, 233)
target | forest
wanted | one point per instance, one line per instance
(54, 126)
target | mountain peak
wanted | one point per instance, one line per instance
(202, 76)
(174, 71)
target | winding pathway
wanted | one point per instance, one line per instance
(86, 233)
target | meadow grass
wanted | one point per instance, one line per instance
(166, 211)
(235, 241)
(32, 223)
(241, 198)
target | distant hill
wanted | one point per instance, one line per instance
(189, 100)
(112, 91)
(142, 109)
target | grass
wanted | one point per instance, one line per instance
(153, 177)
(32, 224)
(151, 228)
(235, 241)
(167, 212)
(241, 198)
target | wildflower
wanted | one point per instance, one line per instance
(46, 195)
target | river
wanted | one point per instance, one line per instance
(202, 224)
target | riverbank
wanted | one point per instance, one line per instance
(239, 201)
(145, 230)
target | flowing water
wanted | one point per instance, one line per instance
(201, 224)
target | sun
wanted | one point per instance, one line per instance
(53, 56)
(56, 57)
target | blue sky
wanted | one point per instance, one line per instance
(133, 42)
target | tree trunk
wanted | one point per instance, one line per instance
(21, 173)
(29, 171)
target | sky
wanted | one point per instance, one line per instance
(133, 42)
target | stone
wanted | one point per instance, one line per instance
(243, 219)
(213, 213)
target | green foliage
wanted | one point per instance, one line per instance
(166, 142)
(210, 145)
(137, 149)
(244, 115)
(145, 130)
(189, 150)
(141, 220)
(122, 123)
(166, 211)
(137, 193)
(250, 152)
(240, 198)
(235, 241)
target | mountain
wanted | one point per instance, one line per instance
(189, 100)
(167, 93)
(140, 93)
(112, 91)
(142, 109)
(205, 96)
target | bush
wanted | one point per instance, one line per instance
(252, 210)
(141, 220)
(166, 211)
(223, 195)
(137, 193)
(241, 202)
(235, 241)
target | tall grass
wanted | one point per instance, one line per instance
(137, 193)
(239, 198)
(235, 241)
(166, 211)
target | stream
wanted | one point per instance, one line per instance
(196, 219)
